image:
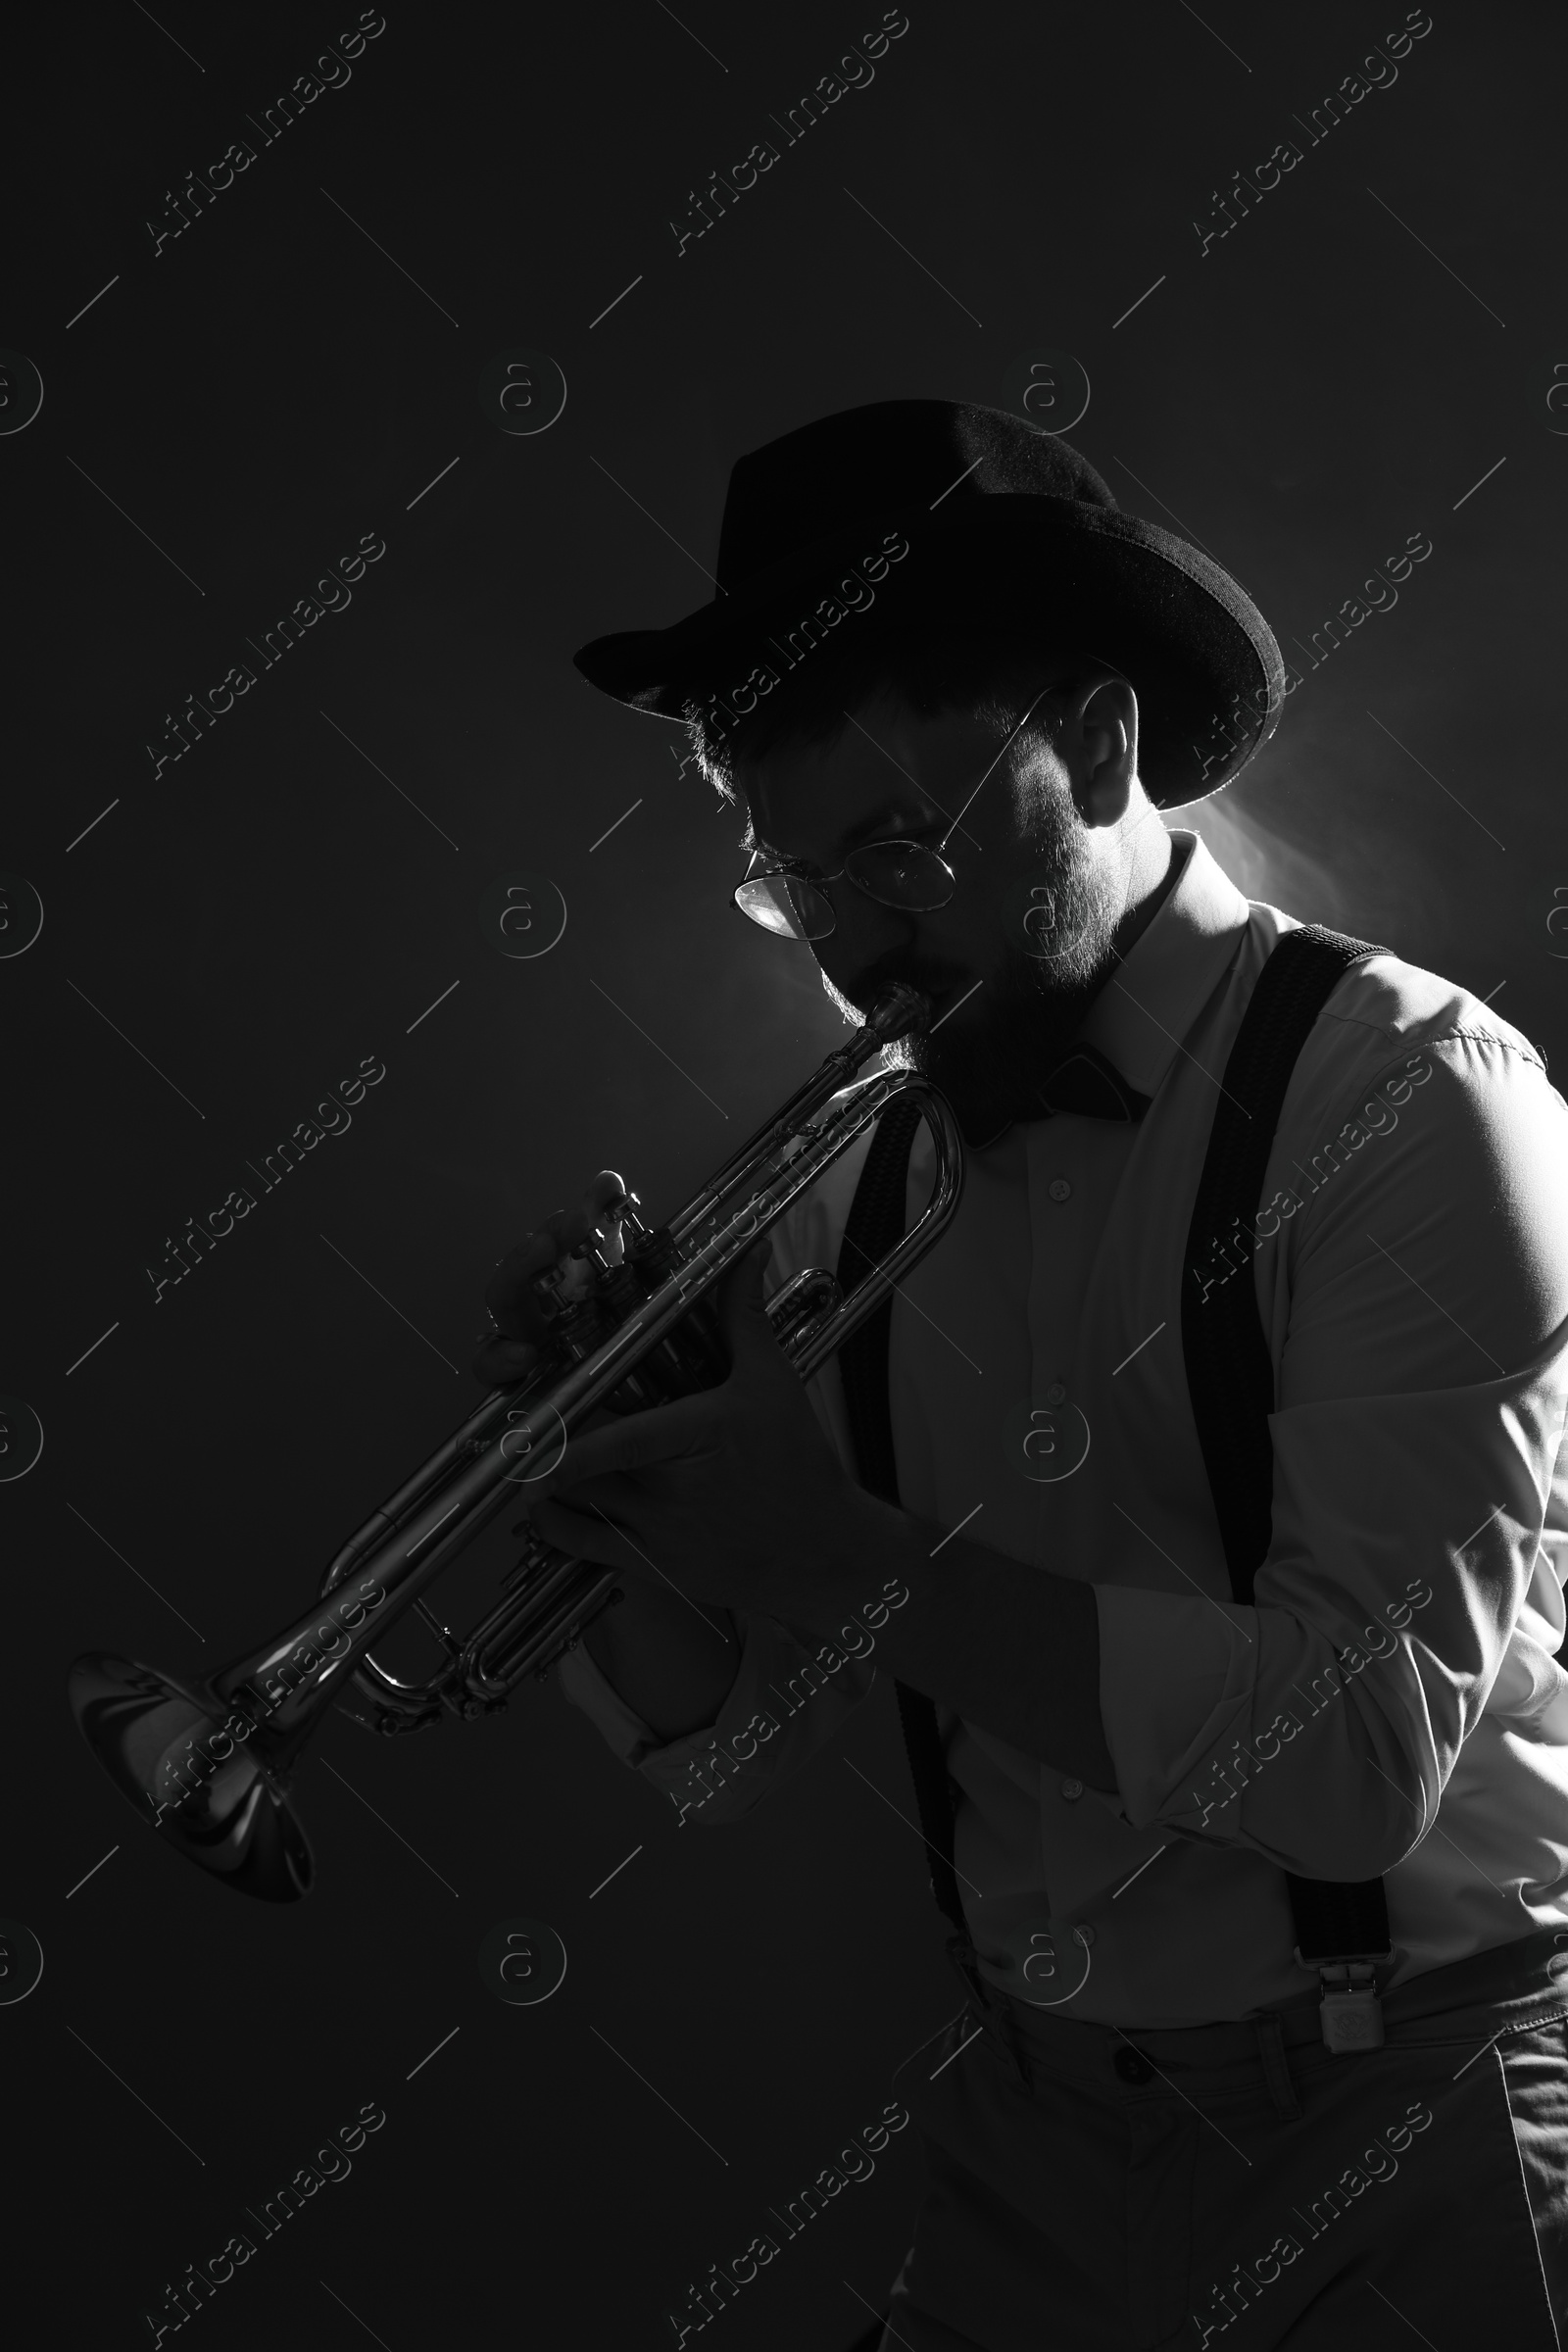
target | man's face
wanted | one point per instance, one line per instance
(1014, 957)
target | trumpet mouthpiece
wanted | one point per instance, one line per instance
(898, 1011)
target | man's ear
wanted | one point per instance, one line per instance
(1101, 747)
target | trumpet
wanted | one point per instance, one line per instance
(630, 1325)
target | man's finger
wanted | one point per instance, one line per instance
(500, 1363)
(611, 1498)
(510, 1293)
(742, 1311)
(585, 1536)
(608, 1495)
(660, 1435)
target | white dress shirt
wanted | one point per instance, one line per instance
(1390, 1701)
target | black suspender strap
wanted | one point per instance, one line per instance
(1229, 1376)
(1339, 1927)
(1228, 1370)
(875, 1222)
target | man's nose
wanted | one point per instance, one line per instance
(864, 938)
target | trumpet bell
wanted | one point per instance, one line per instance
(173, 1754)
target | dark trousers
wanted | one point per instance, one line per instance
(1236, 2186)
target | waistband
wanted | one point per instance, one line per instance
(1509, 1988)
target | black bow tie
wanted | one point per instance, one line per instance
(1080, 1080)
(1083, 1081)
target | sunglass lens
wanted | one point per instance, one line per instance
(786, 906)
(902, 873)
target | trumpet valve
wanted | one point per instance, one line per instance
(581, 1326)
(653, 1256)
(634, 1226)
(546, 1288)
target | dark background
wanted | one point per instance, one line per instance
(230, 939)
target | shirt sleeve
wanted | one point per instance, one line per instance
(1418, 1302)
(793, 1689)
(789, 1697)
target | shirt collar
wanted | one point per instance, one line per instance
(1148, 1004)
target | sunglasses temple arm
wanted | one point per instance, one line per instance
(1022, 724)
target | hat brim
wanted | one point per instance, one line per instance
(1198, 651)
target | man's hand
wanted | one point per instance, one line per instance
(735, 1494)
(513, 1350)
(736, 1498)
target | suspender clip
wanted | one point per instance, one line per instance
(1350, 2010)
(985, 2008)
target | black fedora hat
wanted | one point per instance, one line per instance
(938, 512)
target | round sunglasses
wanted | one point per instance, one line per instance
(789, 898)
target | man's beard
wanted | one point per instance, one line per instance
(988, 1053)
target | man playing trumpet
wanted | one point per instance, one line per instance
(1231, 1552)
